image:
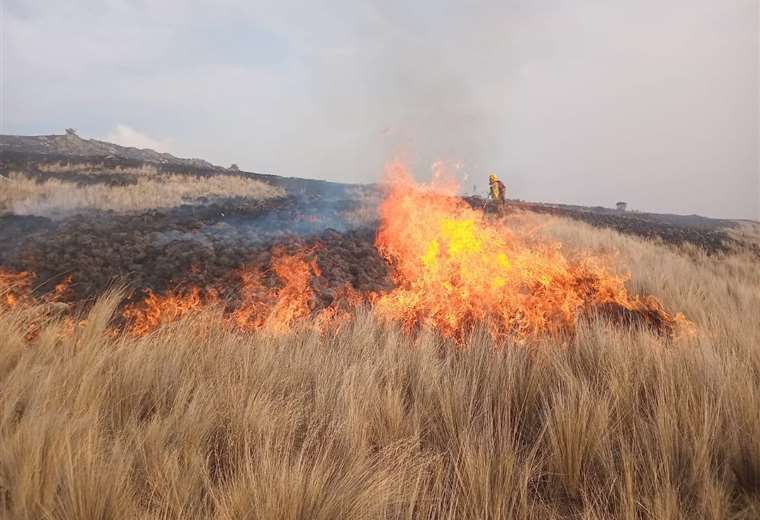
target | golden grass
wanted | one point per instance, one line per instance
(95, 168)
(195, 421)
(54, 197)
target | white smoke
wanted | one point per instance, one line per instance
(125, 135)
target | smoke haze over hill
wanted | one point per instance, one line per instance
(577, 102)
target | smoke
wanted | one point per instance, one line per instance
(422, 90)
(577, 102)
(125, 135)
(582, 103)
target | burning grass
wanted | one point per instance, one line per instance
(455, 269)
(259, 306)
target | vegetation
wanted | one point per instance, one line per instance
(54, 197)
(197, 421)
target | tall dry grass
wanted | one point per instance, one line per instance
(54, 197)
(195, 421)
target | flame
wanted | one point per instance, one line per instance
(278, 310)
(346, 301)
(62, 289)
(157, 310)
(454, 268)
(259, 307)
(15, 288)
(16, 293)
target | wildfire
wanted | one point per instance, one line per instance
(259, 306)
(455, 268)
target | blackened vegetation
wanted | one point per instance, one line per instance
(706, 233)
(203, 246)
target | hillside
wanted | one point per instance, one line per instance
(91, 161)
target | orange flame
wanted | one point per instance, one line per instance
(158, 310)
(454, 268)
(278, 310)
(260, 307)
(15, 288)
(16, 294)
(61, 290)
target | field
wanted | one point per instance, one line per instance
(197, 421)
(463, 261)
(184, 341)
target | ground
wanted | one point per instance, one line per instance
(197, 419)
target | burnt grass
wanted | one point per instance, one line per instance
(193, 245)
(677, 230)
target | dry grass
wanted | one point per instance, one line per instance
(53, 197)
(95, 169)
(197, 422)
(747, 232)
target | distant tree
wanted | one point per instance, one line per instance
(234, 167)
(71, 131)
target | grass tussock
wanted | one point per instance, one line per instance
(53, 197)
(196, 421)
(95, 168)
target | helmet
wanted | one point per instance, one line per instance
(492, 178)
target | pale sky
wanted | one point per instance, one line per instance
(655, 102)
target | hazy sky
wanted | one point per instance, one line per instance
(655, 102)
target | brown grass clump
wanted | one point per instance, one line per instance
(196, 421)
(53, 197)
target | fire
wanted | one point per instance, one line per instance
(280, 309)
(259, 307)
(15, 288)
(455, 268)
(62, 288)
(16, 293)
(158, 310)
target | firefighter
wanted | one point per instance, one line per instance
(497, 193)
